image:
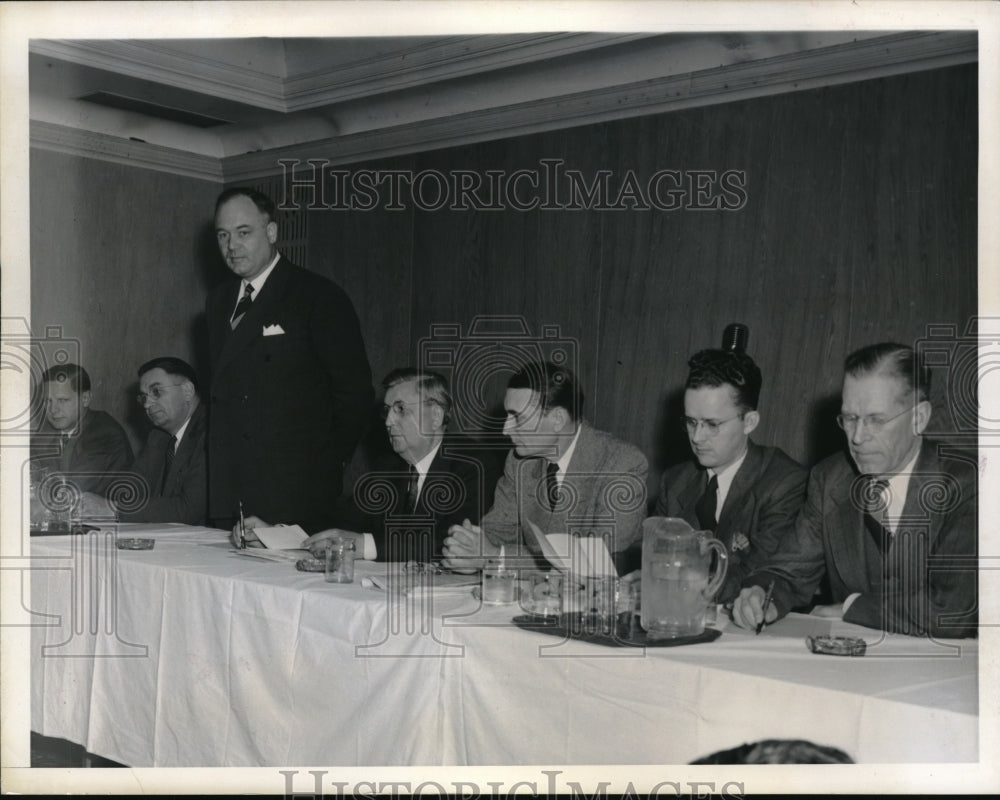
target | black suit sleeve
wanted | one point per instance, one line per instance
(336, 339)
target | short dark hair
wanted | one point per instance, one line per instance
(432, 385)
(555, 385)
(891, 358)
(77, 376)
(264, 203)
(726, 367)
(172, 366)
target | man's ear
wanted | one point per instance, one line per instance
(272, 231)
(85, 399)
(921, 416)
(437, 417)
(560, 419)
(187, 389)
(750, 421)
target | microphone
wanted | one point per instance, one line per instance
(735, 337)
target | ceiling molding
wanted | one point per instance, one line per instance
(436, 61)
(73, 141)
(150, 61)
(863, 60)
(858, 60)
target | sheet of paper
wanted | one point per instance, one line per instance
(281, 537)
(586, 556)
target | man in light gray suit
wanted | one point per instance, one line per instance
(563, 476)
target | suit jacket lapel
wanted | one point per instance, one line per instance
(251, 325)
(185, 450)
(846, 528)
(924, 471)
(689, 492)
(739, 489)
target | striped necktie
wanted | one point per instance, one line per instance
(242, 307)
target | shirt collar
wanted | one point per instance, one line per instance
(728, 473)
(423, 465)
(180, 431)
(258, 282)
(566, 457)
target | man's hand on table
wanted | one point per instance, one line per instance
(466, 549)
(93, 506)
(249, 523)
(834, 611)
(748, 608)
(317, 543)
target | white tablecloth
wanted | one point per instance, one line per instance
(191, 655)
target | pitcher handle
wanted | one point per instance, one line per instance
(720, 567)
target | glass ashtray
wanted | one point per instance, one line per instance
(135, 544)
(311, 565)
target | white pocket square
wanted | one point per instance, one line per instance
(273, 330)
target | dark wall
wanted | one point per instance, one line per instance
(121, 259)
(859, 226)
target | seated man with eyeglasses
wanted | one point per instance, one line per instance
(892, 524)
(743, 492)
(172, 483)
(401, 510)
(562, 477)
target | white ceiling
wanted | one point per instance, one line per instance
(351, 99)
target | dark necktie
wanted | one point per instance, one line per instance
(705, 507)
(168, 462)
(552, 485)
(875, 505)
(242, 307)
(412, 490)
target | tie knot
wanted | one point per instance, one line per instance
(875, 498)
(248, 291)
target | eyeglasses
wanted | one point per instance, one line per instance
(711, 426)
(872, 422)
(156, 391)
(399, 408)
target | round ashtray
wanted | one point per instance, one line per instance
(135, 544)
(837, 645)
(311, 565)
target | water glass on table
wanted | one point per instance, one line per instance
(543, 594)
(498, 583)
(340, 560)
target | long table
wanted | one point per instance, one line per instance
(193, 655)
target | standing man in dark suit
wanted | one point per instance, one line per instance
(402, 509)
(291, 386)
(563, 476)
(893, 524)
(745, 493)
(83, 445)
(173, 479)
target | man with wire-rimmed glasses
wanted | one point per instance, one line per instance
(892, 522)
(743, 492)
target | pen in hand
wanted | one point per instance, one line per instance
(767, 602)
(243, 530)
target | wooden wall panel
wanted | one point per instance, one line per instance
(121, 260)
(859, 226)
